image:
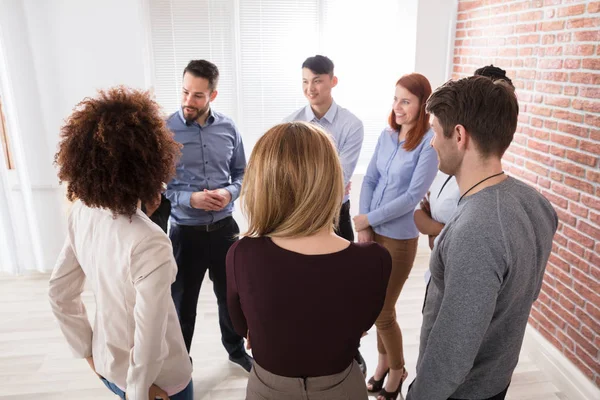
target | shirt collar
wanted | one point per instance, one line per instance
(329, 115)
(209, 120)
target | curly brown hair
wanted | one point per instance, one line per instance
(115, 149)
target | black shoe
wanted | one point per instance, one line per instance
(244, 361)
(361, 363)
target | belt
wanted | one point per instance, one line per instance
(210, 227)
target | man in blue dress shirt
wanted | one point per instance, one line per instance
(207, 182)
(345, 128)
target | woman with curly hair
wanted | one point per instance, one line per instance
(115, 153)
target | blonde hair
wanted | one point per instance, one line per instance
(293, 185)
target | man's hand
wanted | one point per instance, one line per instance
(223, 195)
(366, 236)
(207, 200)
(155, 392)
(361, 222)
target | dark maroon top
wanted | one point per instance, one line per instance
(305, 313)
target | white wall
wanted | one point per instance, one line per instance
(436, 22)
(56, 52)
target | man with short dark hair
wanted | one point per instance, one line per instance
(208, 180)
(488, 262)
(347, 131)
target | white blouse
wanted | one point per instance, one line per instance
(136, 340)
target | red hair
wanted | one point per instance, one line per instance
(419, 86)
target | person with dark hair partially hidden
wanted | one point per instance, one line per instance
(346, 130)
(207, 182)
(488, 262)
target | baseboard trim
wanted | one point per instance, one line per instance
(565, 375)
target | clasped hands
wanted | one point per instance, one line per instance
(210, 200)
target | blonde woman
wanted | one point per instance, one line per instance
(292, 282)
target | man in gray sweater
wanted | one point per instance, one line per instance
(488, 263)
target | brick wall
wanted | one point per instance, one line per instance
(551, 51)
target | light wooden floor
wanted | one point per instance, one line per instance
(35, 362)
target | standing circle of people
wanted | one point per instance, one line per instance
(152, 214)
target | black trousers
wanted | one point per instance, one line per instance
(345, 226)
(196, 252)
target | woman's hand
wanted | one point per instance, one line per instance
(155, 392)
(361, 222)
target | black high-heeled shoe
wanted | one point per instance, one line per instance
(376, 385)
(394, 395)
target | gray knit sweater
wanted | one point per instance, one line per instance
(486, 271)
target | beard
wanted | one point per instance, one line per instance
(191, 114)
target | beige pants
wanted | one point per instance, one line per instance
(389, 336)
(347, 385)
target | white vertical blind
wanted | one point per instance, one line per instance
(259, 47)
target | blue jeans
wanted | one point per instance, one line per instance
(185, 394)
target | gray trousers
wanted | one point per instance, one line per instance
(347, 385)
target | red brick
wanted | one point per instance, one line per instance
(570, 294)
(579, 185)
(529, 39)
(593, 202)
(593, 311)
(580, 364)
(551, 314)
(564, 140)
(559, 263)
(582, 158)
(550, 124)
(587, 36)
(589, 360)
(556, 176)
(548, 39)
(579, 49)
(595, 134)
(545, 183)
(579, 238)
(539, 146)
(578, 210)
(565, 315)
(571, 10)
(585, 77)
(542, 320)
(591, 63)
(555, 200)
(567, 304)
(590, 92)
(590, 296)
(592, 120)
(594, 7)
(587, 333)
(565, 340)
(572, 64)
(595, 218)
(586, 105)
(590, 147)
(514, 7)
(568, 128)
(554, 76)
(569, 116)
(581, 341)
(558, 101)
(550, 64)
(563, 37)
(548, 88)
(539, 158)
(540, 135)
(531, 16)
(583, 23)
(538, 169)
(571, 90)
(566, 218)
(551, 26)
(589, 230)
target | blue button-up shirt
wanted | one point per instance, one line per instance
(212, 158)
(346, 130)
(395, 182)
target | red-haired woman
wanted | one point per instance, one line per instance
(398, 177)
